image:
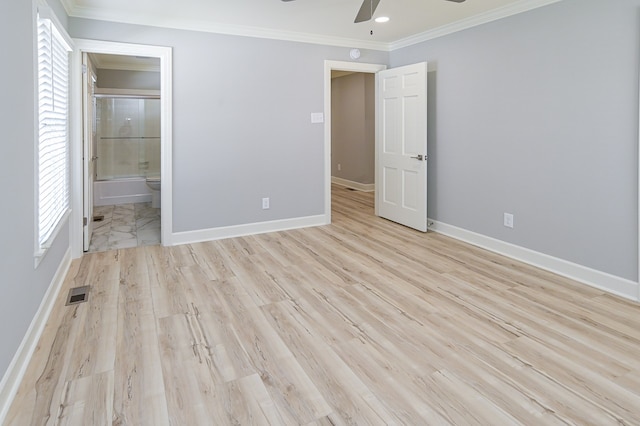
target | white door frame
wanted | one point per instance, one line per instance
(77, 140)
(89, 133)
(328, 67)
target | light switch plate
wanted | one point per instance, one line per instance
(508, 220)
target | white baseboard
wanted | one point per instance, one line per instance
(14, 374)
(246, 229)
(365, 187)
(592, 277)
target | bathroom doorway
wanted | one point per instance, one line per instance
(132, 121)
(126, 202)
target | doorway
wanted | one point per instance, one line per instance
(353, 130)
(401, 141)
(329, 68)
(163, 54)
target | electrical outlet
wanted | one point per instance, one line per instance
(265, 203)
(339, 166)
(508, 220)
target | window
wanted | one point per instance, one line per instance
(53, 164)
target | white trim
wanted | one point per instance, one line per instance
(211, 234)
(16, 370)
(166, 132)
(594, 278)
(74, 10)
(365, 187)
(328, 67)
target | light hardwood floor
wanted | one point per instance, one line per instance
(360, 322)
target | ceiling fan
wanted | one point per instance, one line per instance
(369, 7)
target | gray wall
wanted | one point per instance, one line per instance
(353, 127)
(242, 127)
(121, 79)
(537, 115)
(22, 286)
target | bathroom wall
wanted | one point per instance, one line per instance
(124, 79)
(353, 127)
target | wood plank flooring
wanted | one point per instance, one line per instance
(362, 322)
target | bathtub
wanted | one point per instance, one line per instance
(121, 191)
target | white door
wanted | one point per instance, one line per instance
(89, 137)
(401, 145)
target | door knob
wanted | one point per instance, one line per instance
(418, 157)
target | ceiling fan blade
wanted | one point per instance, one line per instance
(366, 10)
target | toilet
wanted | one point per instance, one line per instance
(153, 182)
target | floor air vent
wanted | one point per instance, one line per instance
(77, 295)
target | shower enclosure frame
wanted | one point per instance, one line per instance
(124, 94)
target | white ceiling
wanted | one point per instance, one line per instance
(317, 21)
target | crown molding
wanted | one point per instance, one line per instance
(473, 21)
(266, 33)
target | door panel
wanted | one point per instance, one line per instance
(411, 189)
(389, 184)
(401, 145)
(391, 141)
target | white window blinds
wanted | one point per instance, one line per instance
(53, 140)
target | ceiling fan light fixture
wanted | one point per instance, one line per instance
(382, 19)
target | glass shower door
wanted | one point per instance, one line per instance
(128, 137)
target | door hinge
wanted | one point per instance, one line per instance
(84, 69)
(84, 221)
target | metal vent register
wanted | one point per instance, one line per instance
(78, 295)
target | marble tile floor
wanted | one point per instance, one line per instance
(124, 226)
